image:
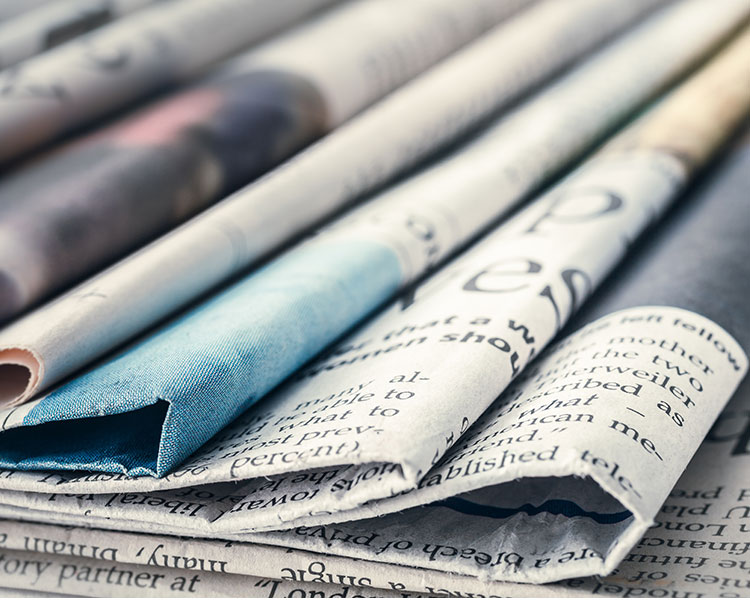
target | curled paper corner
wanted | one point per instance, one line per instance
(20, 375)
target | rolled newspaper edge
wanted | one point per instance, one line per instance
(41, 375)
(694, 136)
(21, 371)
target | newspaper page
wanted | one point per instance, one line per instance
(325, 278)
(695, 543)
(698, 542)
(200, 144)
(538, 290)
(28, 593)
(39, 30)
(104, 312)
(695, 546)
(339, 53)
(77, 576)
(367, 57)
(69, 86)
(233, 557)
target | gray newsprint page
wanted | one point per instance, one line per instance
(579, 443)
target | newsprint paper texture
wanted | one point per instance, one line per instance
(317, 291)
(695, 546)
(394, 246)
(123, 185)
(322, 277)
(120, 63)
(80, 326)
(557, 479)
(657, 186)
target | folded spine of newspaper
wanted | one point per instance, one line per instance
(696, 544)
(224, 557)
(46, 27)
(69, 333)
(507, 298)
(195, 147)
(572, 463)
(107, 69)
(311, 296)
(697, 261)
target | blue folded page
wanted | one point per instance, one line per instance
(146, 410)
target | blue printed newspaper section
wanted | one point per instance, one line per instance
(238, 345)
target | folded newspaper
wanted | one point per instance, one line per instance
(525, 414)
(560, 477)
(70, 214)
(198, 373)
(80, 326)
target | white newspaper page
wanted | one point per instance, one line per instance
(567, 469)
(79, 576)
(696, 544)
(233, 557)
(352, 413)
(564, 473)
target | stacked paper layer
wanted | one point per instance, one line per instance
(344, 315)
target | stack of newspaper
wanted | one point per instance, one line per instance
(374, 298)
